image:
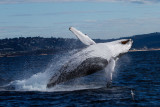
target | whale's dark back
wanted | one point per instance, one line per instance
(87, 67)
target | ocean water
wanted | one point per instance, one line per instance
(136, 82)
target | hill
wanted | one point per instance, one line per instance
(151, 40)
(36, 45)
(40, 45)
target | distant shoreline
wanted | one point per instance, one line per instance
(34, 46)
(137, 50)
(43, 54)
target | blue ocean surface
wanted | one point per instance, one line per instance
(136, 82)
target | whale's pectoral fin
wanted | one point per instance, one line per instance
(109, 70)
(82, 37)
(109, 77)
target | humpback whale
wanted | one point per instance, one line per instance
(93, 58)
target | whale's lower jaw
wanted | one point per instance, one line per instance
(87, 67)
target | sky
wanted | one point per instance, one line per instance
(102, 19)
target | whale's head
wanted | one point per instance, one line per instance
(119, 47)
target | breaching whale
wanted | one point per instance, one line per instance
(93, 58)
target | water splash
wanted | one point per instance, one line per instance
(38, 82)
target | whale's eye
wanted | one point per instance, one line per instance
(124, 42)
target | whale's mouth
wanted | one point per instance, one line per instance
(126, 41)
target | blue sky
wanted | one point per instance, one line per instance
(103, 19)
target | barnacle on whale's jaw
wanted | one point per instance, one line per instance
(127, 41)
